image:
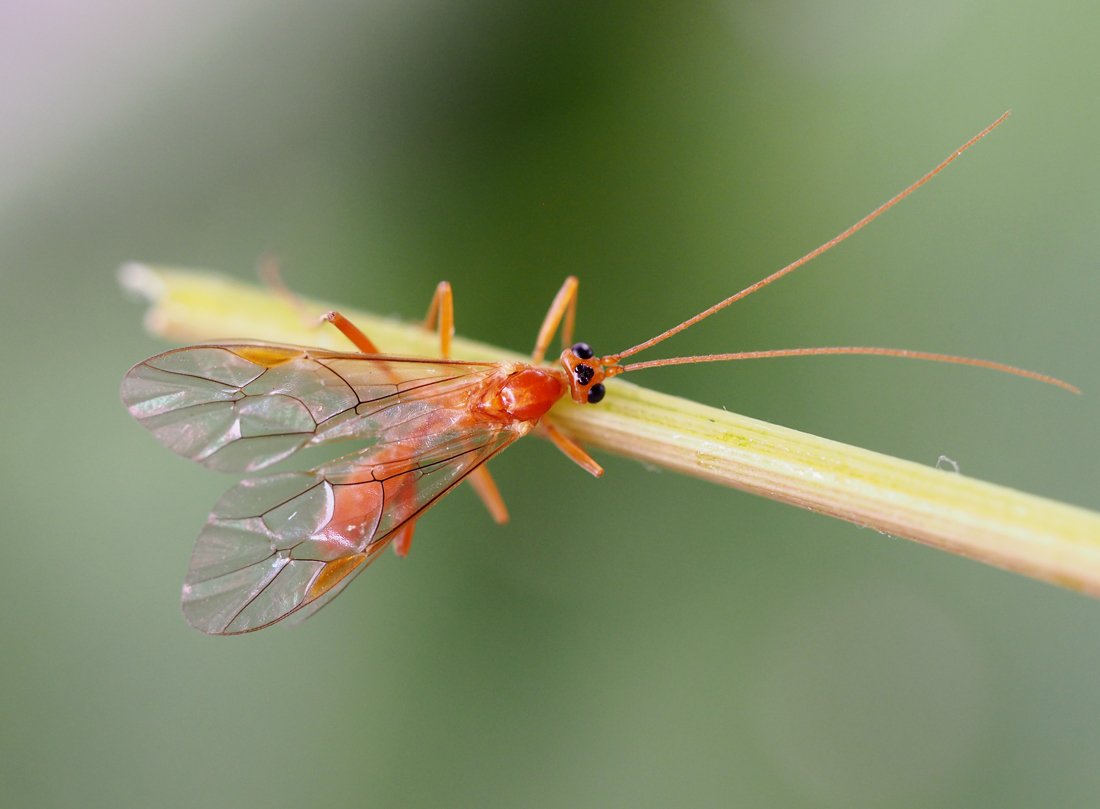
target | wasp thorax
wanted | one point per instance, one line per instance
(524, 394)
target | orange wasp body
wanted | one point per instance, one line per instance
(286, 544)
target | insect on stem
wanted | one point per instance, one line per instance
(285, 544)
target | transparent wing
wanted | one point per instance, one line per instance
(242, 407)
(289, 543)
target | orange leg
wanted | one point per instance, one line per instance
(351, 331)
(442, 312)
(563, 311)
(571, 448)
(487, 490)
(403, 540)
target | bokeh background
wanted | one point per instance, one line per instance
(642, 640)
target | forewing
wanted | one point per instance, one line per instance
(241, 407)
(289, 543)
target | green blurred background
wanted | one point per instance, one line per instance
(642, 640)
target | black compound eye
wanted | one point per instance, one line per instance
(596, 393)
(583, 351)
(584, 373)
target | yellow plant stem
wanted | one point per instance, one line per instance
(1040, 538)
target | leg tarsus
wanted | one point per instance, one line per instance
(441, 314)
(487, 490)
(571, 448)
(402, 541)
(564, 306)
(570, 317)
(352, 332)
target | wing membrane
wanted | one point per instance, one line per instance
(289, 543)
(242, 407)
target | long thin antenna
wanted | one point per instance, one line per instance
(833, 242)
(886, 352)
